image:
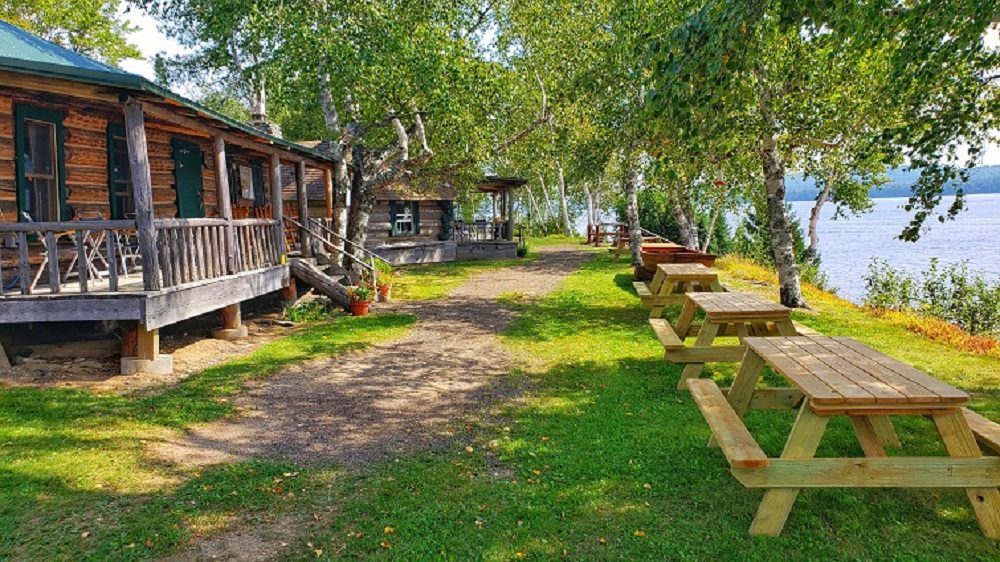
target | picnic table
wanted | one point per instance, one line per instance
(726, 314)
(838, 376)
(672, 281)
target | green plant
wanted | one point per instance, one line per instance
(362, 293)
(311, 311)
(384, 278)
(522, 250)
(952, 293)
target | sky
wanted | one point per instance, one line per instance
(151, 41)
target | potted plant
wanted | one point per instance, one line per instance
(384, 275)
(360, 298)
(384, 285)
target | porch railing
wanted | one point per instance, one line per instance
(93, 252)
(482, 231)
(96, 255)
(193, 250)
(367, 266)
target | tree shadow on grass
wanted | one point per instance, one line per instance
(69, 452)
(607, 460)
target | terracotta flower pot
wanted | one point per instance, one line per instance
(360, 308)
(384, 292)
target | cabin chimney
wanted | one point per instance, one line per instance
(260, 121)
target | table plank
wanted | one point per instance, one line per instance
(944, 391)
(809, 384)
(845, 372)
(737, 305)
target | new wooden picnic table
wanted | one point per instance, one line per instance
(726, 314)
(672, 281)
(838, 376)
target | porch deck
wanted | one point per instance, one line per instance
(200, 265)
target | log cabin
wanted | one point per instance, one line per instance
(123, 201)
(413, 225)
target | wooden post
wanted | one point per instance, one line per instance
(328, 180)
(509, 210)
(232, 324)
(142, 185)
(303, 199)
(278, 201)
(147, 359)
(222, 200)
(147, 344)
(290, 292)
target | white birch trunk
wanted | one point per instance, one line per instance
(812, 252)
(589, 196)
(631, 180)
(773, 167)
(563, 203)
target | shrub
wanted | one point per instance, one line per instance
(522, 250)
(952, 293)
(310, 311)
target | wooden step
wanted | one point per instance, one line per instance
(641, 289)
(987, 432)
(740, 448)
(665, 333)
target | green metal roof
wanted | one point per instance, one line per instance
(23, 52)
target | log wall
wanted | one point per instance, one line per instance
(379, 228)
(86, 156)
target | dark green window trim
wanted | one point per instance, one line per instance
(396, 209)
(115, 130)
(25, 111)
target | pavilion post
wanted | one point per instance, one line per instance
(328, 182)
(303, 200)
(223, 205)
(142, 185)
(278, 201)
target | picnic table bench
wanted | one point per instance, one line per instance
(836, 376)
(726, 314)
(672, 281)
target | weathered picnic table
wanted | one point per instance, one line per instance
(726, 314)
(836, 376)
(672, 281)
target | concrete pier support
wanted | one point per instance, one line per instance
(148, 359)
(232, 324)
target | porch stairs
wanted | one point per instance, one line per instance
(323, 273)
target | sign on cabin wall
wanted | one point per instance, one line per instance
(246, 182)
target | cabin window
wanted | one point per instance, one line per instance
(119, 175)
(40, 170)
(404, 217)
(246, 183)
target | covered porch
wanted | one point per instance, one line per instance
(496, 237)
(194, 236)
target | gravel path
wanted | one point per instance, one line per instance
(391, 397)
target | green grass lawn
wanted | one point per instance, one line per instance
(435, 280)
(75, 482)
(601, 458)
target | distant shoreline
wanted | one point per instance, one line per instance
(984, 179)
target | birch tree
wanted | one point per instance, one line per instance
(773, 70)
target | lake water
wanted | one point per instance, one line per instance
(847, 246)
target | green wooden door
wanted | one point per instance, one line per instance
(187, 179)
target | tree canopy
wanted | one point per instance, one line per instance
(89, 27)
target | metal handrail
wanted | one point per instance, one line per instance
(372, 255)
(369, 266)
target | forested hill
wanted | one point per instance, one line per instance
(981, 180)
